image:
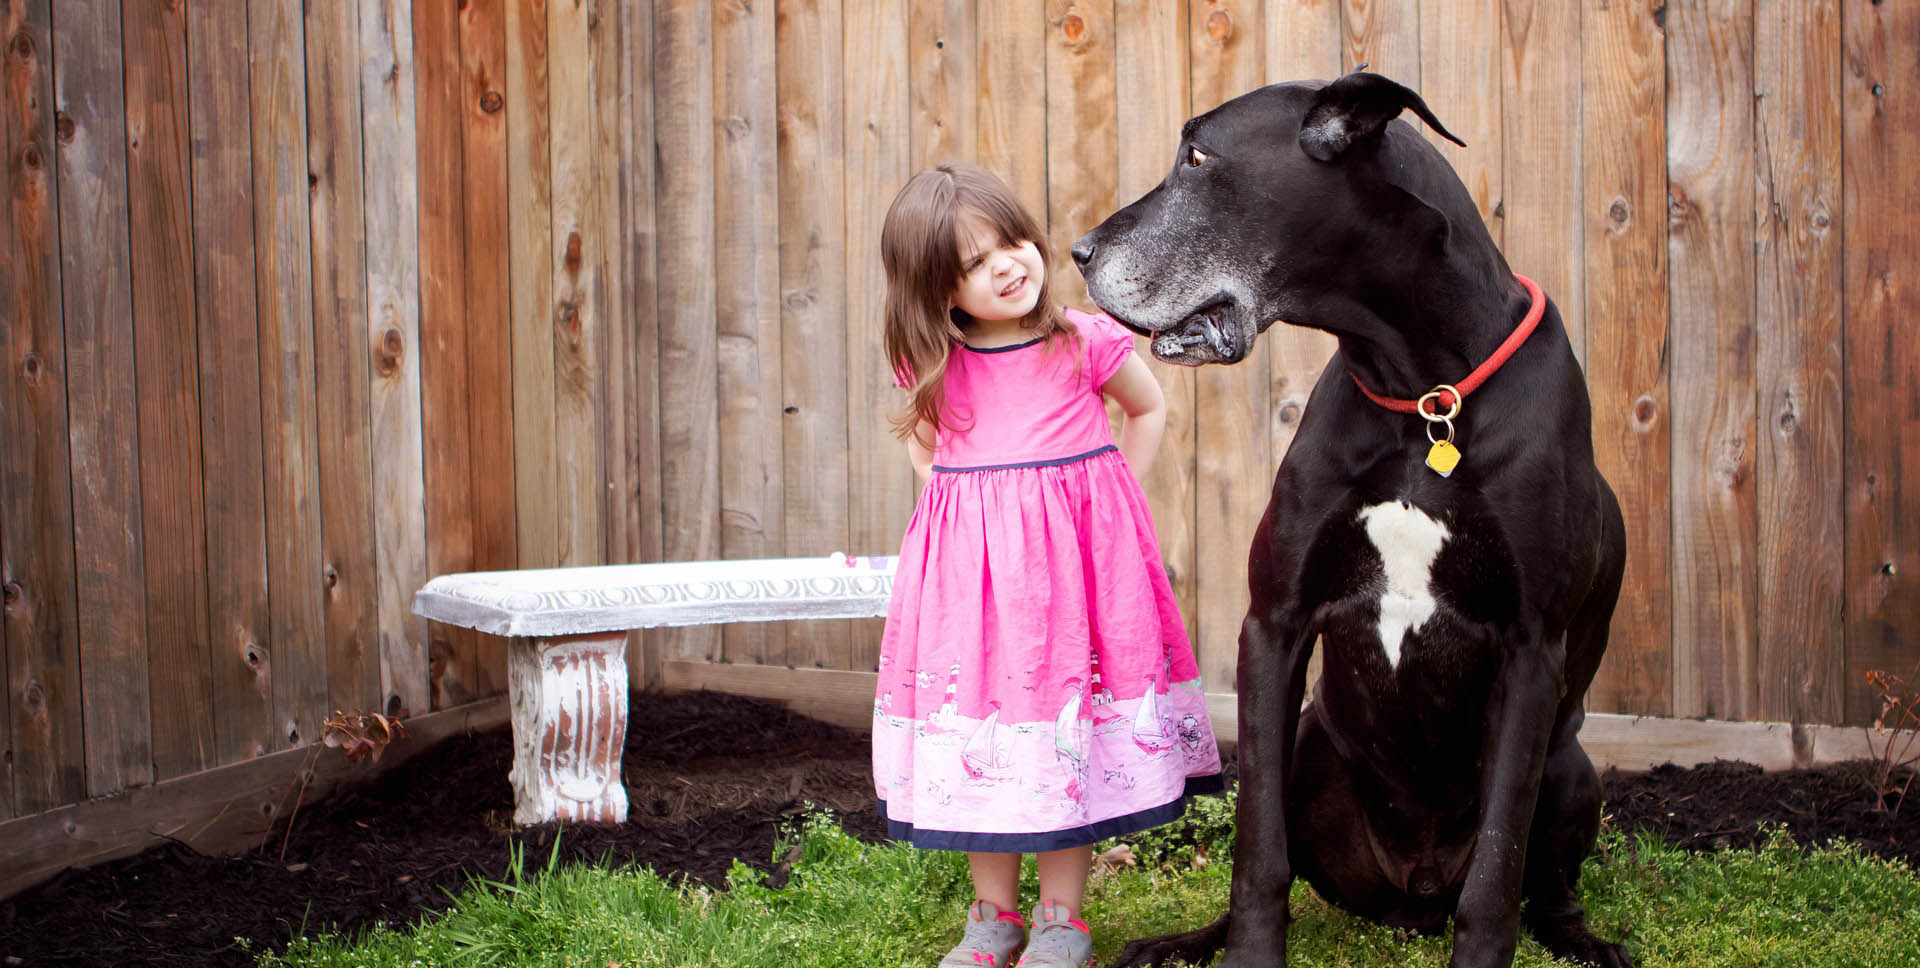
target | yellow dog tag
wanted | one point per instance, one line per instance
(1443, 458)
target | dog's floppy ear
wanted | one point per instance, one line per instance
(1354, 110)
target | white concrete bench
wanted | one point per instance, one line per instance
(567, 669)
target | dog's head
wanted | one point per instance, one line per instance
(1274, 198)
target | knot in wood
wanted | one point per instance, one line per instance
(1618, 212)
(392, 347)
(36, 695)
(1290, 413)
(573, 253)
(1644, 410)
(33, 369)
(331, 576)
(1219, 26)
(31, 157)
(11, 593)
(22, 45)
(63, 127)
(1679, 208)
(491, 102)
(1073, 28)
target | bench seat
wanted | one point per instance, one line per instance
(566, 654)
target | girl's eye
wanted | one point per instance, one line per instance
(1196, 157)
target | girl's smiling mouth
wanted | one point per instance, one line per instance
(1013, 288)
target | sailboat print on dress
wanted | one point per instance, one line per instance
(986, 755)
(1067, 741)
(1150, 731)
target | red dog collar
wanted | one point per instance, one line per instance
(1447, 398)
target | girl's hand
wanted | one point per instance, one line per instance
(1139, 396)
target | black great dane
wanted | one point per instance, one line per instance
(1457, 556)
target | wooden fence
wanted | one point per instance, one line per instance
(307, 301)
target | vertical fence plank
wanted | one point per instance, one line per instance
(230, 402)
(942, 55)
(633, 366)
(1385, 36)
(36, 511)
(1150, 104)
(579, 251)
(1710, 287)
(690, 416)
(747, 273)
(1459, 45)
(1234, 469)
(881, 483)
(160, 234)
(337, 206)
(612, 296)
(392, 222)
(1302, 41)
(1012, 100)
(813, 299)
(530, 236)
(283, 243)
(1802, 535)
(1624, 82)
(90, 127)
(1540, 100)
(489, 273)
(1083, 134)
(443, 331)
(1882, 184)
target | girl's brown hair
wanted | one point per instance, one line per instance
(920, 247)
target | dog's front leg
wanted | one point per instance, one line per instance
(1271, 680)
(1486, 924)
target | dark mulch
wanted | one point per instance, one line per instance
(709, 779)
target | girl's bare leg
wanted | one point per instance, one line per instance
(1063, 876)
(996, 879)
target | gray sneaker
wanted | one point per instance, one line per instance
(1058, 941)
(991, 938)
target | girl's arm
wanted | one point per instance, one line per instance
(1139, 396)
(920, 450)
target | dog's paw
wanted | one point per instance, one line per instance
(1585, 949)
(1192, 948)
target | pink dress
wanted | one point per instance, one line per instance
(1037, 690)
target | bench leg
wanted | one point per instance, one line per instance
(569, 697)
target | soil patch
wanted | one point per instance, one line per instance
(714, 779)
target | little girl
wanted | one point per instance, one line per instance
(1037, 691)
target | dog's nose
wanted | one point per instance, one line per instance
(1083, 250)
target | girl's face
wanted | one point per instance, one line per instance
(996, 281)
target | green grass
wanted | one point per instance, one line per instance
(853, 904)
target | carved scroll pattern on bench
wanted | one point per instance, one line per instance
(702, 592)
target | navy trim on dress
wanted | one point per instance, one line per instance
(1002, 349)
(1056, 462)
(1082, 836)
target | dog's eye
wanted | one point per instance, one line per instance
(1196, 157)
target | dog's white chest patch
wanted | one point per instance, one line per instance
(1408, 541)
